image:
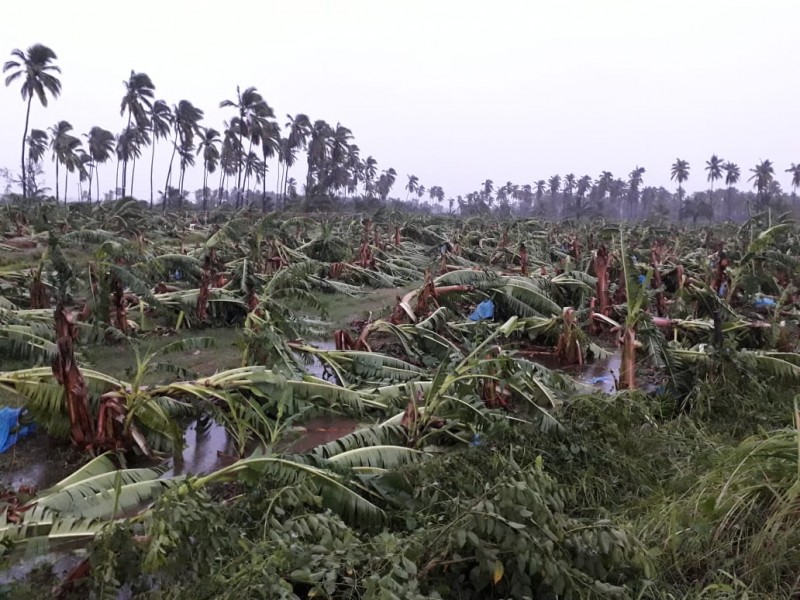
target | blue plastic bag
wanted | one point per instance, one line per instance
(10, 431)
(484, 310)
(764, 302)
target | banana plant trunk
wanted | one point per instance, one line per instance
(120, 305)
(67, 373)
(601, 261)
(627, 373)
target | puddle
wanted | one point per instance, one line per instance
(321, 430)
(601, 374)
(315, 367)
(60, 562)
(207, 449)
(38, 462)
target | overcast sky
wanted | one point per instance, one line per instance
(454, 91)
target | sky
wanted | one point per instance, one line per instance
(453, 91)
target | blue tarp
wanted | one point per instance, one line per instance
(484, 310)
(10, 431)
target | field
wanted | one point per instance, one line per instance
(393, 405)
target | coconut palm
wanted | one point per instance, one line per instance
(412, 186)
(732, 175)
(540, 188)
(141, 138)
(762, 177)
(569, 185)
(270, 139)
(680, 173)
(129, 147)
(160, 127)
(370, 171)
(139, 91)
(299, 128)
(186, 155)
(634, 182)
(250, 106)
(37, 145)
(209, 148)
(185, 120)
(714, 166)
(795, 183)
(488, 189)
(582, 188)
(36, 69)
(553, 188)
(63, 144)
(101, 146)
(385, 183)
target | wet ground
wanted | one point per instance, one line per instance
(38, 462)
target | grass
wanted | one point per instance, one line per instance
(341, 310)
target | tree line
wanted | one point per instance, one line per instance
(239, 153)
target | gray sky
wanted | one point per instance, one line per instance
(453, 91)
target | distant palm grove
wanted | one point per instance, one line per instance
(234, 161)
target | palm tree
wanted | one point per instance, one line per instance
(270, 138)
(37, 71)
(553, 187)
(186, 154)
(185, 119)
(370, 170)
(762, 178)
(569, 185)
(37, 145)
(299, 129)
(634, 181)
(160, 127)
(583, 187)
(540, 187)
(714, 168)
(137, 101)
(101, 147)
(128, 148)
(732, 175)
(680, 173)
(209, 148)
(250, 105)
(385, 183)
(412, 186)
(63, 145)
(488, 188)
(795, 172)
(141, 138)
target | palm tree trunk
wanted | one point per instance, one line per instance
(264, 186)
(169, 171)
(285, 182)
(116, 180)
(180, 186)
(56, 181)
(92, 169)
(278, 184)
(133, 172)
(152, 163)
(97, 183)
(125, 162)
(24, 137)
(205, 185)
(66, 179)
